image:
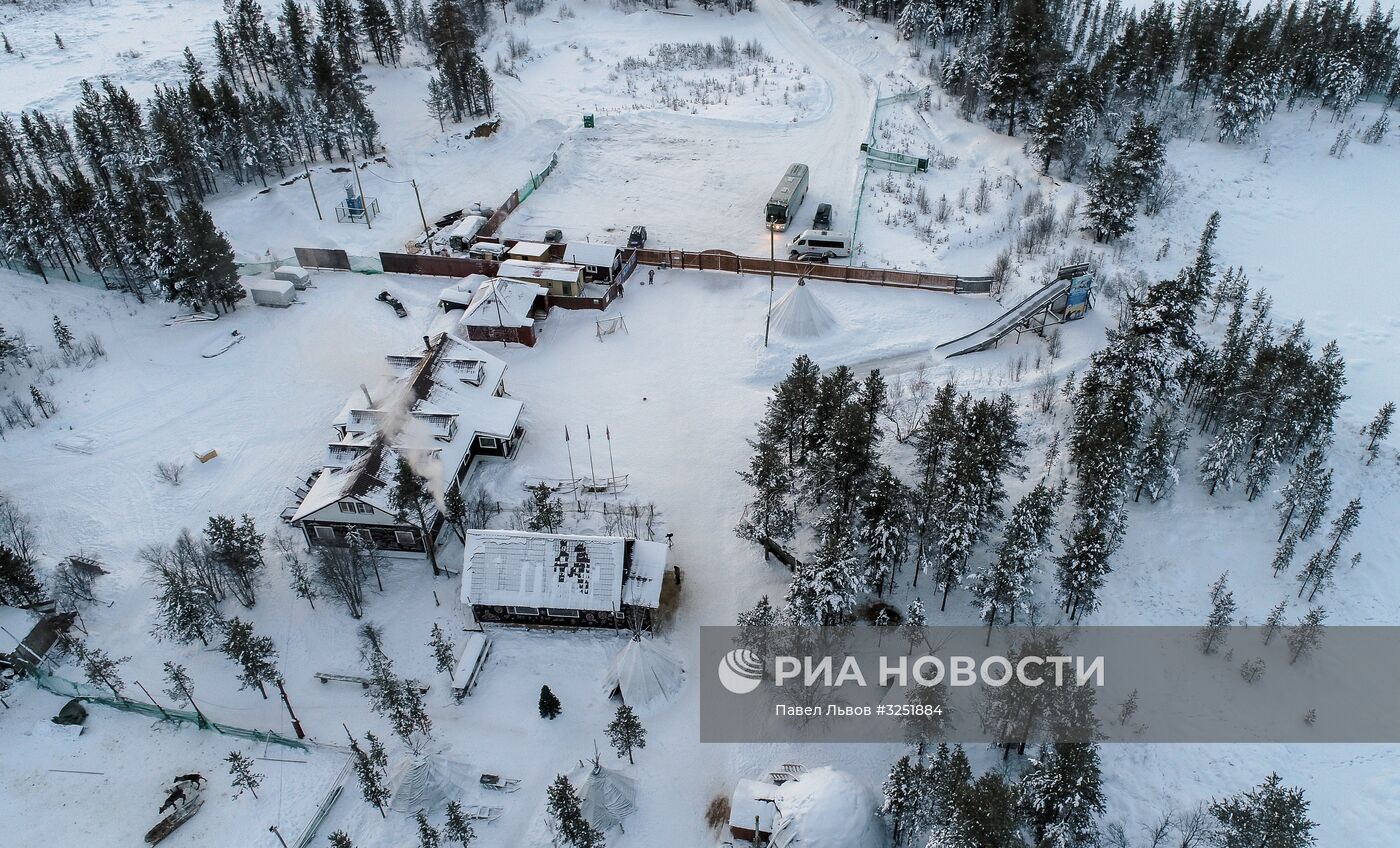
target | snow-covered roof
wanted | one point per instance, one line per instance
(502, 303)
(592, 253)
(510, 568)
(467, 227)
(460, 292)
(753, 799)
(428, 411)
(826, 808)
(529, 249)
(519, 269)
(269, 284)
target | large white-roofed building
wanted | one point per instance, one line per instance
(561, 579)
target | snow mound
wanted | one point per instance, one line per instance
(606, 797)
(428, 782)
(799, 314)
(826, 808)
(644, 672)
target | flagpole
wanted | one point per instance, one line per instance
(591, 473)
(572, 477)
(612, 469)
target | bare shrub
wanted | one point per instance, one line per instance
(170, 472)
(983, 199)
(1045, 393)
(1163, 192)
(1054, 345)
(717, 813)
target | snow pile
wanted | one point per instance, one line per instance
(798, 314)
(826, 808)
(606, 797)
(644, 673)
(428, 782)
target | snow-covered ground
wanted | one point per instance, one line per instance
(679, 393)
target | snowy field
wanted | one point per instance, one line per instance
(692, 153)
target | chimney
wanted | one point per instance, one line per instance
(427, 344)
(369, 400)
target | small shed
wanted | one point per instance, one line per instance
(270, 292)
(600, 261)
(459, 294)
(459, 238)
(474, 653)
(752, 809)
(561, 280)
(297, 276)
(530, 251)
(503, 311)
(487, 250)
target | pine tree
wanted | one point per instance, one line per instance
(99, 669)
(240, 768)
(371, 777)
(1222, 615)
(625, 732)
(544, 513)
(439, 106)
(1283, 557)
(255, 655)
(903, 801)
(1011, 577)
(458, 827)
(1306, 635)
(915, 621)
(64, 337)
(1245, 99)
(1061, 794)
(1111, 202)
(1309, 485)
(550, 707)
(824, 590)
(1275, 620)
(756, 627)
(236, 550)
(770, 514)
(1067, 119)
(413, 503)
(339, 838)
(1271, 815)
(1013, 86)
(884, 528)
(1343, 526)
(428, 837)
(444, 652)
(569, 826)
(41, 401)
(1378, 429)
(1154, 470)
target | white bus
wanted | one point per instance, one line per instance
(787, 197)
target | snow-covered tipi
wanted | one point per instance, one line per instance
(606, 797)
(643, 673)
(427, 782)
(799, 314)
(826, 808)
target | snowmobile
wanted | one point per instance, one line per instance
(385, 297)
(184, 799)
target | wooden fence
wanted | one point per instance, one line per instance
(721, 260)
(436, 266)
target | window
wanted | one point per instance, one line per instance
(523, 610)
(364, 508)
(561, 613)
(325, 534)
(348, 506)
(406, 538)
(365, 536)
(488, 443)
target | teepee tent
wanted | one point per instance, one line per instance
(644, 672)
(799, 314)
(427, 782)
(606, 797)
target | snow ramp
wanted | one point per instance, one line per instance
(988, 336)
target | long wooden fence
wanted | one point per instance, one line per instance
(721, 260)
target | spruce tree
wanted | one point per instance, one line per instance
(444, 652)
(458, 828)
(550, 707)
(1271, 815)
(240, 768)
(903, 801)
(1283, 557)
(770, 514)
(428, 837)
(1274, 620)
(1154, 471)
(413, 503)
(1222, 615)
(339, 838)
(255, 655)
(1377, 430)
(371, 777)
(884, 528)
(1061, 795)
(570, 828)
(1304, 637)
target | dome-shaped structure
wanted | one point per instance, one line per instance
(826, 808)
(798, 314)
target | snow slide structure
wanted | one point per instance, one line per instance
(1065, 298)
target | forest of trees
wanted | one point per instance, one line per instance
(116, 188)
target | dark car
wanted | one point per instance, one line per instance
(638, 237)
(811, 256)
(553, 236)
(822, 220)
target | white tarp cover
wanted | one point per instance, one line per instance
(645, 672)
(428, 782)
(826, 808)
(606, 797)
(798, 314)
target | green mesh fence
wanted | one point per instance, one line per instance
(68, 689)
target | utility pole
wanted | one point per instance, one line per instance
(278, 834)
(354, 166)
(306, 168)
(768, 321)
(296, 723)
(417, 197)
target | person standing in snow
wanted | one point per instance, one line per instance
(651, 276)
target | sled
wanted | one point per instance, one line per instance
(499, 784)
(192, 318)
(222, 344)
(481, 812)
(181, 814)
(385, 297)
(584, 485)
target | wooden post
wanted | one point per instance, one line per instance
(278, 834)
(354, 166)
(312, 185)
(296, 723)
(418, 198)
